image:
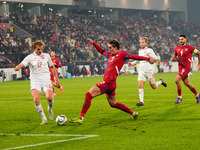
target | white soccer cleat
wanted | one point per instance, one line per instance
(51, 115)
(44, 122)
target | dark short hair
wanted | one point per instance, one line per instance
(115, 43)
(182, 35)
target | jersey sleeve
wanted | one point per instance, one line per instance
(58, 63)
(192, 49)
(101, 50)
(136, 57)
(175, 52)
(26, 60)
(152, 54)
(49, 61)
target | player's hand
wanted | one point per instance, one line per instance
(151, 60)
(16, 69)
(90, 40)
(56, 83)
(129, 63)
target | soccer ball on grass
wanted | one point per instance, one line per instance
(61, 120)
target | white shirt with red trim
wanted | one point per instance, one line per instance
(38, 65)
(144, 65)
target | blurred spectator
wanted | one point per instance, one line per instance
(92, 68)
(3, 75)
(84, 70)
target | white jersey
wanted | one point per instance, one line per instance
(144, 65)
(38, 65)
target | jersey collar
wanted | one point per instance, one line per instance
(38, 55)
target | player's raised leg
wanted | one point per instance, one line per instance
(36, 97)
(93, 92)
(112, 101)
(192, 88)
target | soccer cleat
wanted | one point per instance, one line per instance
(76, 120)
(44, 122)
(179, 99)
(163, 83)
(61, 89)
(198, 97)
(140, 104)
(51, 115)
(135, 115)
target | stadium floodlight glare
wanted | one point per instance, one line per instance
(4, 2)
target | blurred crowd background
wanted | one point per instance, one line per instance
(67, 34)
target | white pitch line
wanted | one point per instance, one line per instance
(51, 142)
(44, 135)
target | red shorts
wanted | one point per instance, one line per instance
(107, 87)
(183, 72)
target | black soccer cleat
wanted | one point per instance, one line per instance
(140, 104)
(163, 83)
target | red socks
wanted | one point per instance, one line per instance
(194, 91)
(86, 105)
(123, 108)
(179, 92)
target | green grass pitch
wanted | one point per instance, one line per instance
(161, 123)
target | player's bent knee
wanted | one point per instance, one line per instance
(88, 96)
(112, 104)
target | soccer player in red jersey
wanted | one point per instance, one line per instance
(57, 65)
(184, 53)
(116, 61)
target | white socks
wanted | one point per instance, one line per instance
(41, 112)
(141, 95)
(158, 83)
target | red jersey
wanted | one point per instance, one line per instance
(57, 64)
(184, 54)
(116, 62)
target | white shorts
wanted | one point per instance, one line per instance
(43, 85)
(142, 76)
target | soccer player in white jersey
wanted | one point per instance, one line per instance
(39, 63)
(145, 69)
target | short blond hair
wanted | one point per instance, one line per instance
(39, 43)
(144, 38)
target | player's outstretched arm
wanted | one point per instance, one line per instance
(151, 60)
(55, 75)
(99, 49)
(136, 57)
(18, 67)
(90, 40)
(173, 58)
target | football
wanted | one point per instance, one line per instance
(61, 120)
